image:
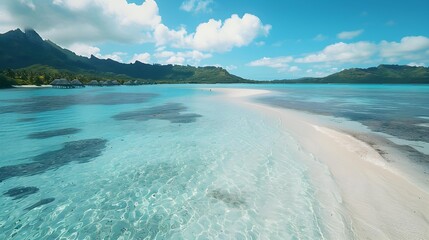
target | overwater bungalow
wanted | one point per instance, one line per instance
(77, 83)
(62, 83)
(94, 83)
(108, 83)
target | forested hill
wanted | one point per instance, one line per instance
(383, 74)
(26, 57)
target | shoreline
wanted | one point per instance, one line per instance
(31, 86)
(379, 203)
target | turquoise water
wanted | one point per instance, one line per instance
(179, 162)
(149, 162)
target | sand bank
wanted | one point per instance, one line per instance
(31, 86)
(379, 202)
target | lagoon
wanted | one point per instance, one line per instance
(208, 161)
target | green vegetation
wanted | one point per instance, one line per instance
(6, 82)
(383, 74)
(28, 59)
(25, 58)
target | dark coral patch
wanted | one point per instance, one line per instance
(53, 133)
(26, 119)
(170, 111)
(77, 151)
(51, 103)
(40, 203)
(20, 192)
(231, 199)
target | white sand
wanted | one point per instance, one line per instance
(380, 203)
(32, 86)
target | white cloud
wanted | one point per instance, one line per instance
(28, 3)
(88, 50)
(84, 49)
(294, 69)
(90, 22)
(260, 43)
(86, 21)
(414, 64)
(413, 50)
(180, 58)
(117, 56)
(319, 37)
(279, 63)
(142, 57)
(410, 48)
(214, 35)
(234, 32)
(231, 67)
(390, 23)
(196, 5)
(342, 52)
(176, 38)
(350, 34)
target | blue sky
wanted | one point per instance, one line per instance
(253, 39)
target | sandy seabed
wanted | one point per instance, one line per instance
(374, 202)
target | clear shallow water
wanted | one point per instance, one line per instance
(155, 162)
(398, 110)
(176, 162)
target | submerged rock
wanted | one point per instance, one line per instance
(20, 192)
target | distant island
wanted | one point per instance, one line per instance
(27, 59)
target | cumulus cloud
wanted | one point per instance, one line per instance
(84, 49)
(142, 57)
(279, 63)
(342, 52)
(117, 56)
(214, 35)
(319, 37)
(85, 21)
(90, 22)
(180, 58)
(350, 34)
(410, 48)
(234, 32)
(196, 5)
(413, 50)
(414, 64)
(88, 50)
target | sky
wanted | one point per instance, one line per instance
(254, 39)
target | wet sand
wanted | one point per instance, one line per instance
(377, 202)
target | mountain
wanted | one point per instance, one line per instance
(383, 74)
(25, 51)
(25, 58)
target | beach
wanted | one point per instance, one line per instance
(376, 201)
(32, 86)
